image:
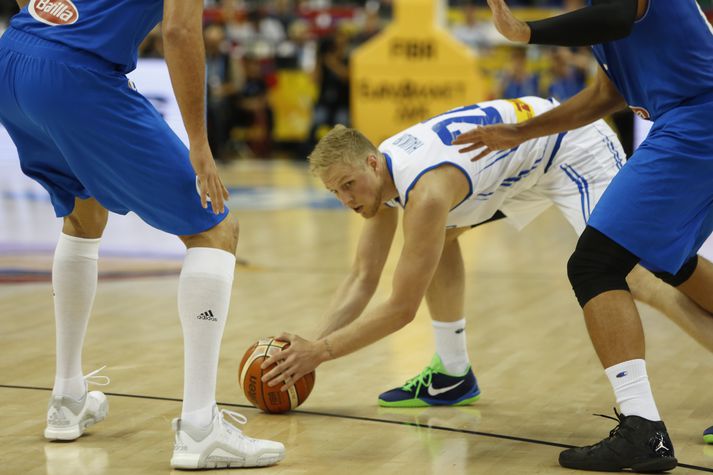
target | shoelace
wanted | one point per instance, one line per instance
(97, 379)
(235, 416)
(423, 379)
(619, 419)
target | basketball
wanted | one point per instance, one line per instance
(270, 399)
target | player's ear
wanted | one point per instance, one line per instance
(372, 162)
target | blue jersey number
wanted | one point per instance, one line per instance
(491, 116)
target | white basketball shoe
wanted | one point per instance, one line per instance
(221, 445)
(68, 418)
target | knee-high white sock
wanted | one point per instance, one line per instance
(632, 389)
(74, 283)
(451, 346)
(203, 298)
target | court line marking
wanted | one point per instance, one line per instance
(363, 419)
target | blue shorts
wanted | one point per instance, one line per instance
(660, 204)
(82, 131)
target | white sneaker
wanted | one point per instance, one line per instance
(68, 418)
(221, 445)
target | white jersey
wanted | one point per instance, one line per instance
(570, 169)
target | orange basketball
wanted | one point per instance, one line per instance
(270, 399)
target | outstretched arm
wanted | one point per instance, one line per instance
(424, 233)
(597, 100)
(603, 21)
(358, 288)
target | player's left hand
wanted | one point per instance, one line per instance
(211, 186)
(506, 23)
(489, 138)
(300, 358)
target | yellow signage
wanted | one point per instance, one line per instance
(413, 70)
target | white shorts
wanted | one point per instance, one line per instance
(587, 161)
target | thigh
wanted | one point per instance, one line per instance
(40, 159)
(586, 163)
(124, 153)
(660, 205)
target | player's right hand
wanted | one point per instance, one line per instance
(506, 23)
(210, 185)
(489, 138)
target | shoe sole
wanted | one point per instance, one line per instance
(193, 462)
(75, 432)
(422, 403)
(662, 464)
(708, 438)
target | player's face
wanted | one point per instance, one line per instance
(356, 187)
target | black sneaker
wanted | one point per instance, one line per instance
(636, 443)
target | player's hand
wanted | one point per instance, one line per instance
(210, 185)
(489, 138)
(300, 358)
(506, 23)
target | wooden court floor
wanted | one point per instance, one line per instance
(539, 376)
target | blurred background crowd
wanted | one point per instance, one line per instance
(278, 70)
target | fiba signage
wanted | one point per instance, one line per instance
(413, 48)
(411, 71)
(410, 97)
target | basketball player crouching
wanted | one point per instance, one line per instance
(443, 194)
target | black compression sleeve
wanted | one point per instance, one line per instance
(603, 21)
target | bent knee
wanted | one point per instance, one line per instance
(223, 235)
(598, 265)
(87, 220)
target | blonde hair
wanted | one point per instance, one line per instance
(340, 145)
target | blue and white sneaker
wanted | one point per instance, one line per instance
(434, 387)
(708, 435)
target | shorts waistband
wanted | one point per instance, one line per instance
(31, 45)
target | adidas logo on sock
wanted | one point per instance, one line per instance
(207, 315)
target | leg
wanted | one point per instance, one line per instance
(449, 379)
(204, 290)
(698, 286)
(74, 283)
(597, 270)
(445, 298)
(681, 309)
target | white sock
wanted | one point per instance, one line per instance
(203, 299)
(632, 389)
(451, 346)
(74, 283)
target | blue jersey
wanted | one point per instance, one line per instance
(110, 29)
(665, 61)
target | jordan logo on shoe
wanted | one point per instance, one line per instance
(435, 392)
(207, 315)
(659, 445)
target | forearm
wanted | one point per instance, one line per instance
(348, 303)
(383, 320)
(185, 57)
(591, 104)
(603, 21)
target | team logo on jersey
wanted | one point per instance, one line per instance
(641, 112)
(523, 111)
(54, 13)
